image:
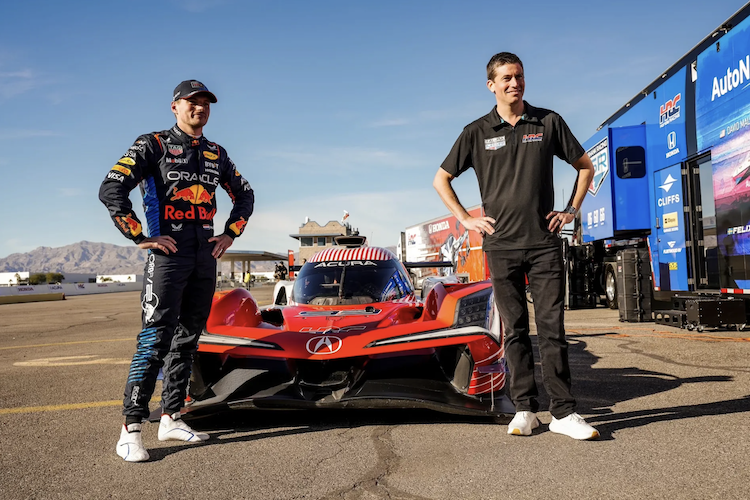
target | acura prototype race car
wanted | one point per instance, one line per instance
(354, 335)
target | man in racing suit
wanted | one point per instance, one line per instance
(178, 171)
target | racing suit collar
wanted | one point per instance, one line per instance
(184, 137)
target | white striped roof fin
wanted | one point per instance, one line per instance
(361, 253)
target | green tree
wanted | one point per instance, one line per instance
(54, 277)
(37, 279)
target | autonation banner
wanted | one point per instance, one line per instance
(723, 127)
(723, 96)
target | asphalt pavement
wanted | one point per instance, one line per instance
(672, 407)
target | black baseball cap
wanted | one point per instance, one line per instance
(189, 88)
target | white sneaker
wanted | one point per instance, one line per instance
(172, 427)
(130, 446)
(573, 426)
(523, 423)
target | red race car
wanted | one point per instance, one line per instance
(354, 335)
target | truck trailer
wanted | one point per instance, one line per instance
(664, 231)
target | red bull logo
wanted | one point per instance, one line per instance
(195, 194)
(238, 226)
(193, 213)
(129, 224)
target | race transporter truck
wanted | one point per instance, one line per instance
(664, 232)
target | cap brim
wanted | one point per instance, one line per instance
(211, 96)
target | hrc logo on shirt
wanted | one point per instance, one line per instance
(533, 137)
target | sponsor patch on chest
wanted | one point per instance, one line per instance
(494, 143)
(533, 137)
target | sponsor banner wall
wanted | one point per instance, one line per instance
(665, 124)
(70, 288)
(671, 262)
(723, 126)
(667, 147)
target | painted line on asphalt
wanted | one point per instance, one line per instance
(132, 339)
(72, 406)
(65, 407)
(90, 359)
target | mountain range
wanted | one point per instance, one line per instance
(87, 257)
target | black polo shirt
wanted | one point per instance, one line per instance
(514, 170)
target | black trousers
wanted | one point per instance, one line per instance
(544, 267)
(176, 300)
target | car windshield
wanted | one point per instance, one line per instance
(350, 282)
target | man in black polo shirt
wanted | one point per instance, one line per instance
(511, 150)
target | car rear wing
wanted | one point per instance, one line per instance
(426, 264)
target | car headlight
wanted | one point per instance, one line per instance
(474, 309)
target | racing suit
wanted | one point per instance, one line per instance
(178, 176)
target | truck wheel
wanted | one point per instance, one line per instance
(610, 287)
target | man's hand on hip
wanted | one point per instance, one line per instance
(558, 219)
(482, 225)
(222, 243)
(164, 243)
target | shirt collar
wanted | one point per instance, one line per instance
(529, 115)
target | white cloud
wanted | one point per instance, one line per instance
(17, 78)
(14, 134)
(13, 83)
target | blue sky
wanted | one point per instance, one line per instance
(324, 106)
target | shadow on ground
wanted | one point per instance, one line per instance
(597, 390)
(250, 425)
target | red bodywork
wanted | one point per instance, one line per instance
(444, 353)
(236, 314)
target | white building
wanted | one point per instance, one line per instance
(12, 279)
(119, 278)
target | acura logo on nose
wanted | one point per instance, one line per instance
(672, 140)
(323, 344)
